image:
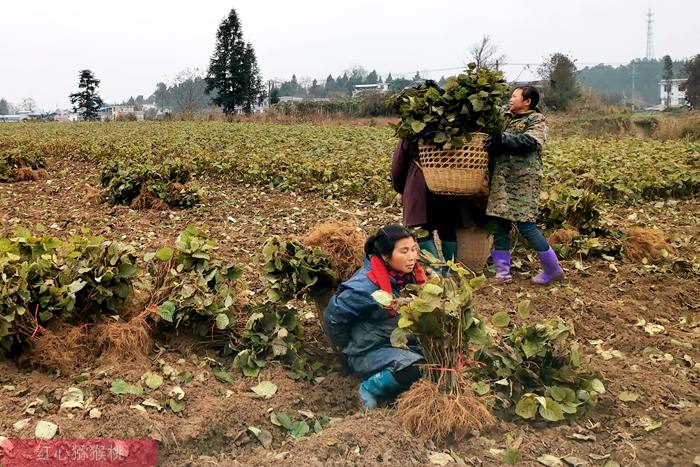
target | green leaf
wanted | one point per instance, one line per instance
(166, 311)
(223, 375)
(575, 355)
(481, 387)
(399, 338)
(264, 436)
(385, 299)
(511, 457)
(432, 289)
(152, 380)
(119, 386)
(526, 407)
(417, 126)
(627, 396)
(524, 309)
(560, 393)
(282, 419)
(597, 386)
(222, 321)
(265, 389)
(551, 410)
(165, 253)
(177, 406)
(300, 429)
(500, 319)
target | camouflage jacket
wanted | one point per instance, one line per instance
(516, 178)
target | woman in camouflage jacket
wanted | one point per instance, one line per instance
(516, 177)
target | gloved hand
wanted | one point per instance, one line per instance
(493, 140)
(517, 143)
(492, 143)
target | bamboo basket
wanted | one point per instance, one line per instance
(462, 172)
(473, 247)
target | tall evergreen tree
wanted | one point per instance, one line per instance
(692, 85)
(372, 78)
(4, 107)
(667, 75)
(253, 87)
(389, 79)
(233, 71)
(87, 102)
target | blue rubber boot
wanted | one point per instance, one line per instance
(449, 251)
(378, 386)
(429, 246)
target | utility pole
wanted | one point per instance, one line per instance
(650, 35)
(634, 77)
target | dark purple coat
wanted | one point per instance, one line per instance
(420, 206)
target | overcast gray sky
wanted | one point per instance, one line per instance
(131, 45)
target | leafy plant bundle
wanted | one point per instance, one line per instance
(191, 286)
(125, 181)
(271, 332)
(445, 117)
(17, 158)
(292, 270)
(76, 280)
(440, 315)
(535, 369)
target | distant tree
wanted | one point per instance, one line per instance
(188, 92)
(372, 78)
(274, 95)
(315, 90)
(87, 102)
(161, 96)
(485, 53)
(692, 84)
(389, 79)
(442, 81)
(417, 77)
(4, 107)
(330, 86)
(139, 101)
(667, 75)
(27, 104)
(560, 86)
(254, 92)
(291, 88)
(233, 70)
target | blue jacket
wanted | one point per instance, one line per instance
(359, 326)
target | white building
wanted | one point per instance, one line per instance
(376, 87)
(676, 97)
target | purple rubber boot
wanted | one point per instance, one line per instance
(551, 270)
(501, 260)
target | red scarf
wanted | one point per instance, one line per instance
(379, 275)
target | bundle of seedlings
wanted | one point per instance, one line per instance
(293, 270)
(148, 185)
(272, 331)
(446, 117)
(342, 243)
(439, 314)
(192, 287)
(534, 370)
(46, 282)
(22, 164)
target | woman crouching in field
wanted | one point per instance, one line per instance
(361, 328)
